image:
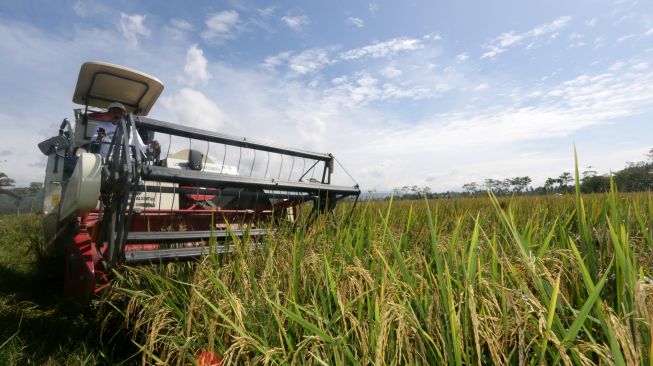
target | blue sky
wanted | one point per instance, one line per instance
(427, 93)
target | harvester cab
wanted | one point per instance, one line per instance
(157, 191)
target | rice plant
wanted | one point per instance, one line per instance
(477, 281)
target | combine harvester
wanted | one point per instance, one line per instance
(133, 202)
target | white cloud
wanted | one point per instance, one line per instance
(181, 24)
(374, 8)
(462, 57)
(591, 22)
(363, 88)
(391, 72)
(576, 40)
(586, 101)
(272, 62)
(85, 8)
(339, 80)
(616, 66)
(266, 12)
(261, 18)
(474, 136)
(649, 32)
(297, 22)
(625, 38)
(577, 44)
(308, 61)
(599, 42)
(640, 66)
(193, 108)
(302, 63)
(221, 26)
(509, 39)
(551, 27)
(383, 49)
(356, 22)
(133, 26)
(575, 36)
(195, 67)
(177, 30)
(314, 59)
(432, 37)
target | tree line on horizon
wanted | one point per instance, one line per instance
(634, 177)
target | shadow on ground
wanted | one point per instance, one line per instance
(37, 324)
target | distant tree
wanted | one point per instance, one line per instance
(493, 185)
(526, 181)
(520, 183)
(396, 192)
(34, 189)
(549, 183)
(589, 172)
(5, 181)
(471, 188)
(595, 184)
(504, 185)
(5, 184)
(415, 190)
(635, 177)
(21, 194)
(592, 182)
(564, 180)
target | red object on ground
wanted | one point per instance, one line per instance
(208, 358)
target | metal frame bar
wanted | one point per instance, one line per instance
(199, 134)
(179, 254)
(186, 236)
(217, 180)
(207, 191)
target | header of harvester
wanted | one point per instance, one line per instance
(113, 192)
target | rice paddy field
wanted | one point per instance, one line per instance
(541, 280)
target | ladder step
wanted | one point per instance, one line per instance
(138, 257)
(186, 236)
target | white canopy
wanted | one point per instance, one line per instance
(100, 83)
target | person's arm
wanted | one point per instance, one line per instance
(139, 141)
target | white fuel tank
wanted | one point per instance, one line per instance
(83, 188)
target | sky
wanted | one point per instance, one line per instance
(426, 93)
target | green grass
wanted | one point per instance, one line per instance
(524, 280)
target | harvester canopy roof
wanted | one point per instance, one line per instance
(100, 83)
